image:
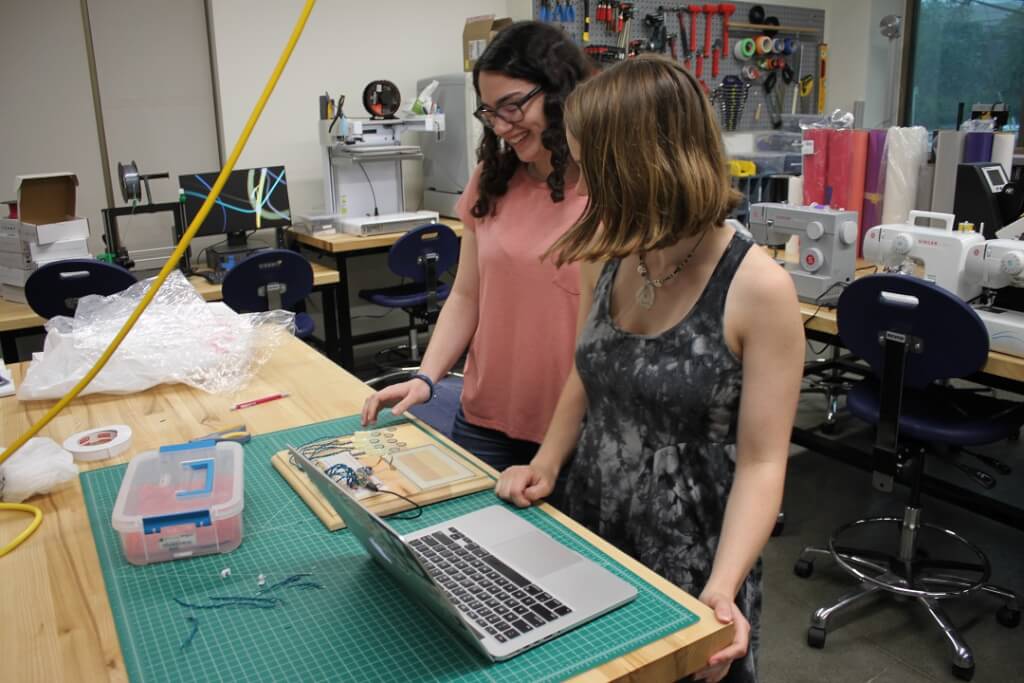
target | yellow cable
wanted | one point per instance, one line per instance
(37, 515)
(174, 258)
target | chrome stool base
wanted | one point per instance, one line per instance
(910, 573)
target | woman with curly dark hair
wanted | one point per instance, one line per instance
(515, 311)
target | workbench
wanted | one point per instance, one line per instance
(17, 320)
(342, 248)
(59, 624)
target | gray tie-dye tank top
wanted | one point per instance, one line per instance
(656, 456)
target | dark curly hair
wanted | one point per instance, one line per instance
(543, 55)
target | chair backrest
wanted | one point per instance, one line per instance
(55, 288)
(405, 257)
(953, 339)
(266, 277)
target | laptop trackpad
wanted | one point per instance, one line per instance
(536, 554)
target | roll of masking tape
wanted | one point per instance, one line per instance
(763, 45)
(744, 49)
(100, 443)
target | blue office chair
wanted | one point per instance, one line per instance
(269, 280)
(421, 255)
(915, 336)
(55, 288)
(438, 413)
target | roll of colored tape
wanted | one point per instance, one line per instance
(751, 72)
(744, 49)
(100, 443)
(778, 46)
(763, 44)
(790, 46)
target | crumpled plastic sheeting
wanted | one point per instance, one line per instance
(180, 338)
(39, 466)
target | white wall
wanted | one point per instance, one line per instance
(344, 47)
(47, 121)
(153, 68)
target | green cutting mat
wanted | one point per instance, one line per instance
(359, 627)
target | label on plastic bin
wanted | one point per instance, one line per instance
(807, 147)
(177, 541)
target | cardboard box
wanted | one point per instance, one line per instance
(16, 259)
(46, 209)
(15, 276)
(13, 293)
(59, 250)
(477, 35)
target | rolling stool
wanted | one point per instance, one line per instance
(914, 335)
(422, 255)
(268, 280)
(55, 288)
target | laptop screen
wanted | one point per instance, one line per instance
(384, 545)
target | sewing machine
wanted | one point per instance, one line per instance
(996, 264)
(828, 246)
(934, 254)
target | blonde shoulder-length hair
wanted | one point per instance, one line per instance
(652, 159)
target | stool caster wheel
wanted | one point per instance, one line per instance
(964, 673)
(828, 428)
(1008, 616)
(816, 637)
(803, 569)
(777, 529)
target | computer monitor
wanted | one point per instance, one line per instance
(252, 199)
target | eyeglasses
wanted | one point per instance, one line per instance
(510, 112)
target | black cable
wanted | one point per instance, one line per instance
(818, 299)
(417, 508)
(376, 211)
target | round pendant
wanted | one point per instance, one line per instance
(645, 296)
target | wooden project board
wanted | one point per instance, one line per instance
(388, 451)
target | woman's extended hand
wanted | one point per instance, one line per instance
(403, 396)
(726, 612)
(524, 485)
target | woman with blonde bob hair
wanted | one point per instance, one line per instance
(674, 423)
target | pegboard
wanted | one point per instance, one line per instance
(752, 118)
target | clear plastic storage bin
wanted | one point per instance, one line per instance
(181, 501)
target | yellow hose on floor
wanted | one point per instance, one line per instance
(171, 264)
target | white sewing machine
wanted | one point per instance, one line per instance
(934, 254)
(993, 265)
(828, 246)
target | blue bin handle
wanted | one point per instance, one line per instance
(204, 464)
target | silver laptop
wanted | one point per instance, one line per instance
(495, 579)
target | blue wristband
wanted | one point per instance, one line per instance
(430, 384)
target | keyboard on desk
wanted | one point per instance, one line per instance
(214, 277)
(493, 595)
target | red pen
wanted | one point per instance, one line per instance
(258, 401)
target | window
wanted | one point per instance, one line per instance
(965, 51)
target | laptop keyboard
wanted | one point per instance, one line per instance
(493, 595)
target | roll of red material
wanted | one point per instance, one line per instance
(815, 164)
(847, 160)
(874, 185)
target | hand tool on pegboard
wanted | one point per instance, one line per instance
(693, 11)
(709, 13)
(716, 53)
(726, 10)
(684, 45)
(822, 63)
(586, 21)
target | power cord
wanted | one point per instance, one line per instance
(376, 211)
(820, 302)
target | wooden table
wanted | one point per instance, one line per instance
(58, 624)
(341, 248)
(18, 319)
